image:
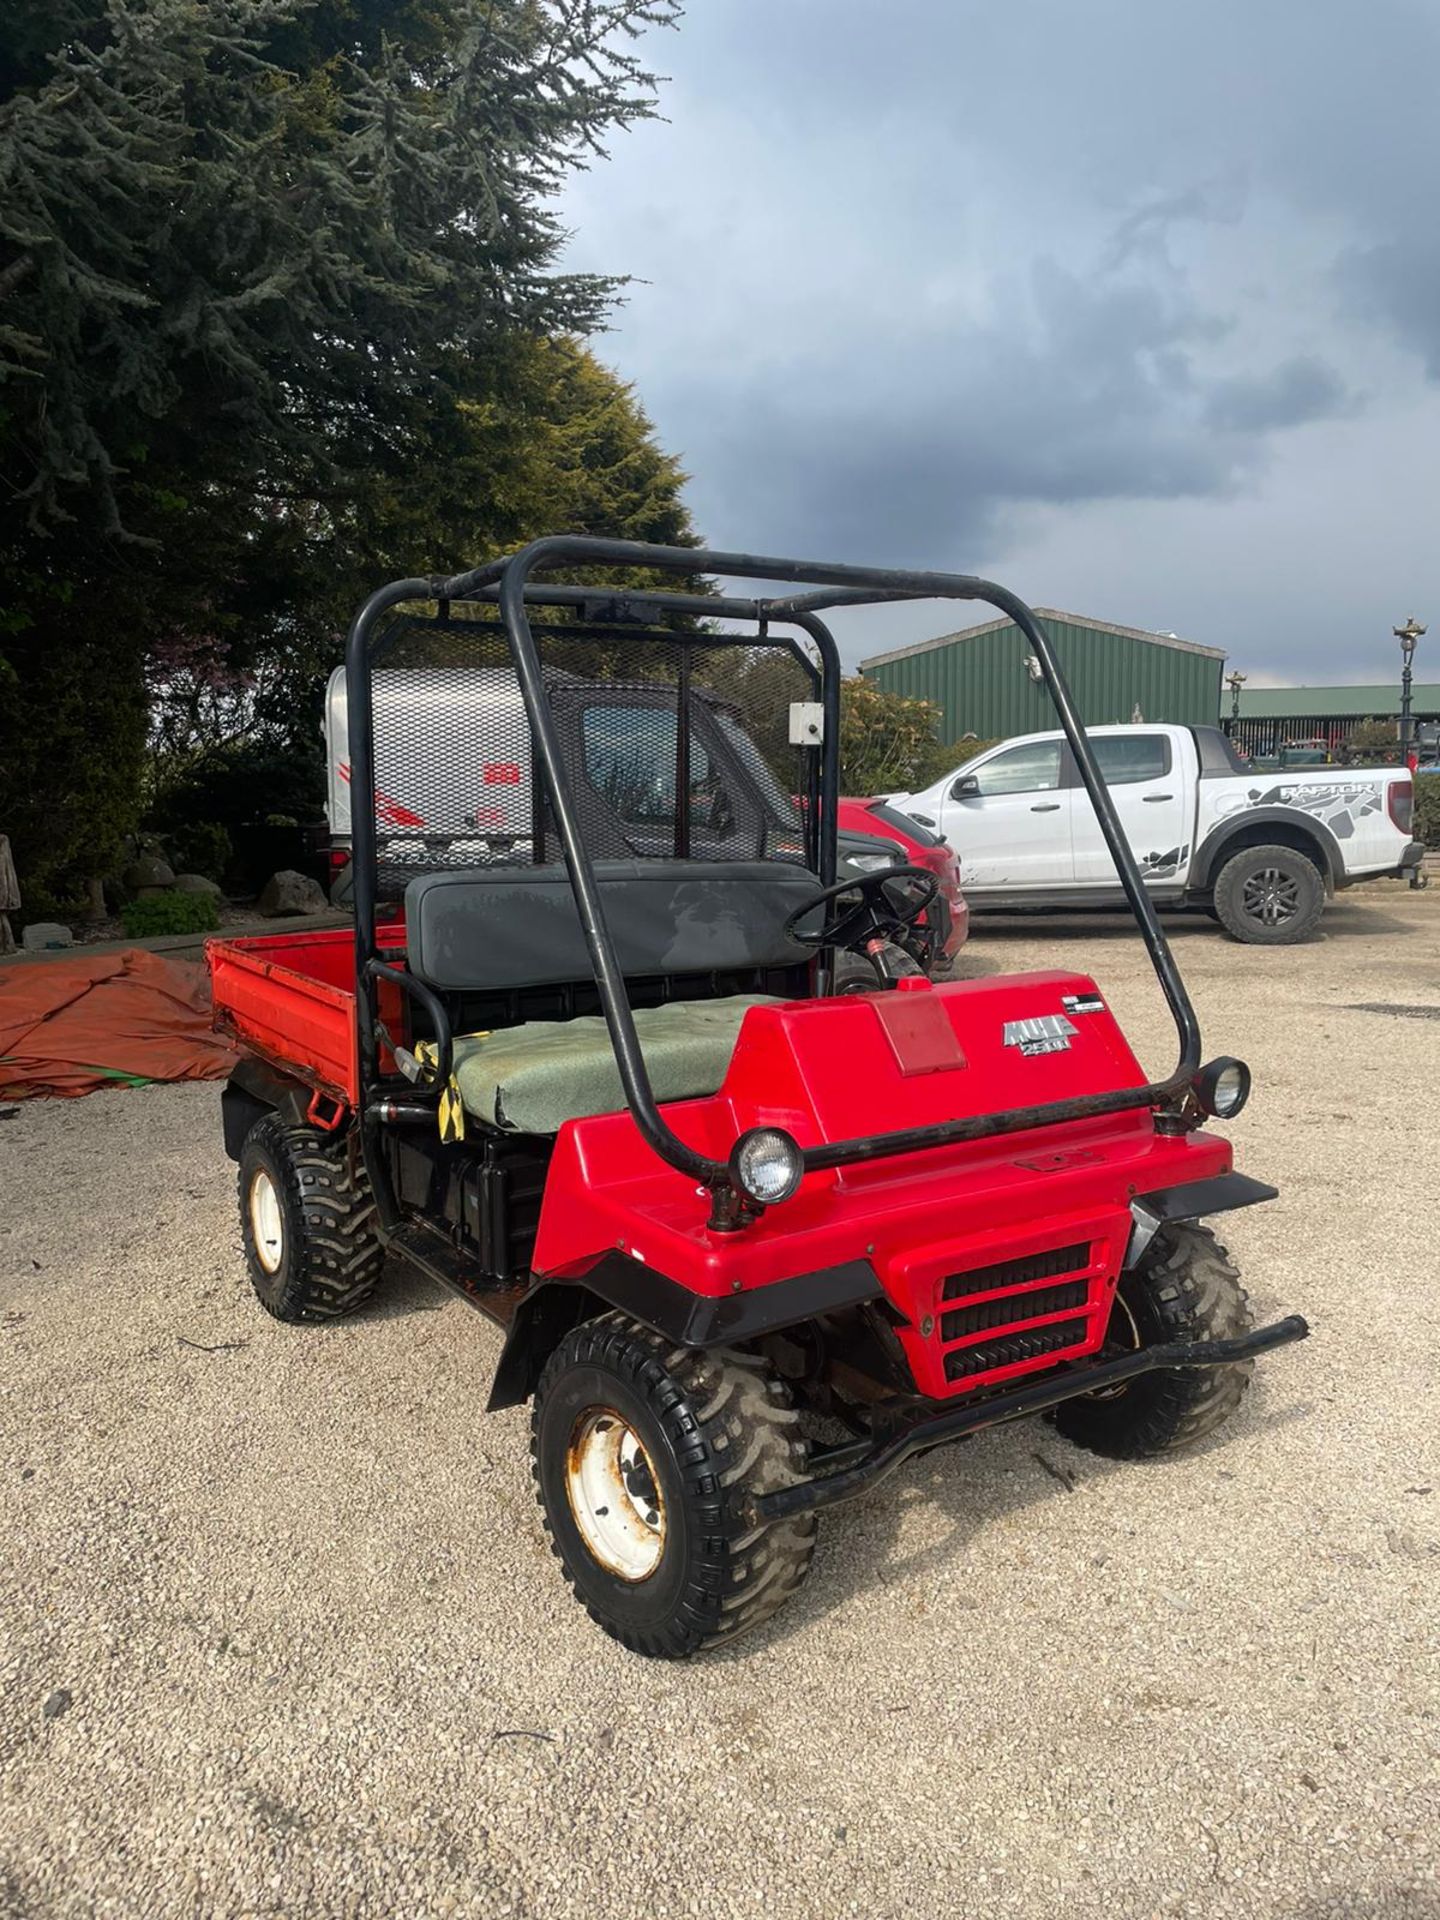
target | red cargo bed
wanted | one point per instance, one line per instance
(290, 997)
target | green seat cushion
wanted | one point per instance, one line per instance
(533, 1078)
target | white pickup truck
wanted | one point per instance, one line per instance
(1260, 851)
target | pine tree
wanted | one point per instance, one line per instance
(256, 256)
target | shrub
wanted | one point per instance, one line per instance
(161, 913)
(1427, 808)
(201, 846)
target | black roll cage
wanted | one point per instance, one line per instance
(506, 584)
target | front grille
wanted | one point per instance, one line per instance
(1011, 1307)
(1017, 1273)
(1012, 1348)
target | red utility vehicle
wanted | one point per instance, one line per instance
(921, 848)
(599, 1085)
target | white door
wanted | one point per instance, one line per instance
(1008, 818)
(1149, 792)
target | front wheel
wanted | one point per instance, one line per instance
(645, 1459)
(1269, 896)
(1183, 1288)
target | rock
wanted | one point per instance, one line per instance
(60, 1701)
(147, 870)
(197, 883)
(42, 934)
(289, 892)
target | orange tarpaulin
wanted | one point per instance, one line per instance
(92, 1020)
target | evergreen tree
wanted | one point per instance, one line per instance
(261, 261)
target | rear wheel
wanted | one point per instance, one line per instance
(307, 1225)
(1269, 896)
(645, 1459)
(1184, 1288)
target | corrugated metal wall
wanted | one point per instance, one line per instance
(982, 685)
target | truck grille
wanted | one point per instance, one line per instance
(1019, 1305)
(1018, 1273)
(965, 1362)
(1007, 1309)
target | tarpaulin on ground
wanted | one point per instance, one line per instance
(93, 1020)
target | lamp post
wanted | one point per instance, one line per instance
(1408, 636)
(1234, 681)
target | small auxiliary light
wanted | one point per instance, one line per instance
(1222, 1088)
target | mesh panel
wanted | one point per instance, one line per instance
(457, 783)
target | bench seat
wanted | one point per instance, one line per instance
(535, 1077)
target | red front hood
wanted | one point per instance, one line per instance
(870, 1064)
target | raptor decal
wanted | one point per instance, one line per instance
(1337, 804)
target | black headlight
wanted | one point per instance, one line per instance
(1222, 1088)
(766, 1165)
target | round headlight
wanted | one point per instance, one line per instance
(766, 1165)
(1223, 1087)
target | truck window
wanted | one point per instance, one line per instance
(1125, 758)
(630, 760)
(753, 761)
(1033, 768)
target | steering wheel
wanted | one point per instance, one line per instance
(875, 913)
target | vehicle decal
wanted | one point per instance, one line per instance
(1041, 1033)
(1158, 866)
(1337, 804)
(390, 813)
(1082, 1003)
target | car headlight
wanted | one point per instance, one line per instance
(873, 862)
(766, 1165)
(1222, 1088)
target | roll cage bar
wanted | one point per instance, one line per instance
(506, 585)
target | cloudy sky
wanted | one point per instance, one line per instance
(1135, 308)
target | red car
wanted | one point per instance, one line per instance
(921, 848)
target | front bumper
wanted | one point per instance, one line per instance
(852, 1470)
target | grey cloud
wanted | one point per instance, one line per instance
(1399, 283)
(917, 280)
(1085, 389)
(1291, 395)
(1143, 234)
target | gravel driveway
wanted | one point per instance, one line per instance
(279, 1632)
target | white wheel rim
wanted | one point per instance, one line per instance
(1118, 1306)
(615, 1495)
(267, 1223)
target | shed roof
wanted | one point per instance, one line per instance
(1045, 613)
(1294, 703)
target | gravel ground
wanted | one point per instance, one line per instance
(279, 1632)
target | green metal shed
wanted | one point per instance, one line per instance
(980, 680)
(1270, 716)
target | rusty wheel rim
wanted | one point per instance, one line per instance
(614, 1495)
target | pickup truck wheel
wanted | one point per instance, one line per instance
(645, 1457)
(1184, 1288)
(308, 1228)
(1269, 896)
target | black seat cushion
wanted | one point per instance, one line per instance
(496, 928)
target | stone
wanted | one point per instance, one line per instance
(147, 870)
(288, 892)
(43, 934)
(197, 883)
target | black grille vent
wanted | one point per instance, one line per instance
(1012, 1307)
(1016, 1273)
(965, 1362)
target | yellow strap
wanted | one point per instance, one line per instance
(451, 1115)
